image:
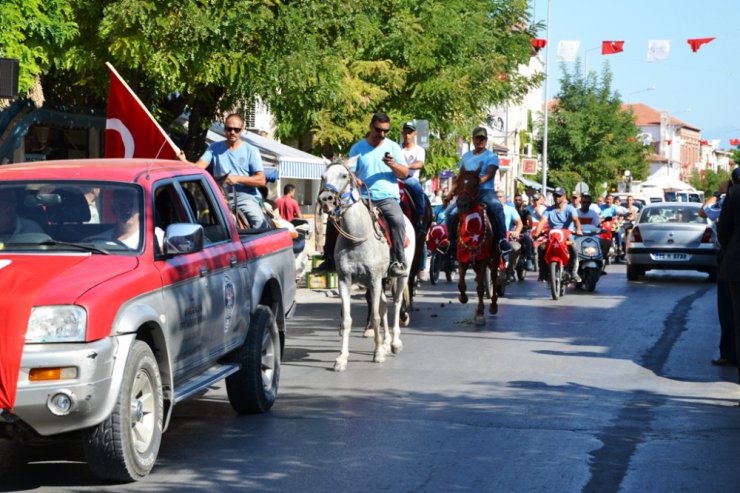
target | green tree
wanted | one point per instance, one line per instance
(708, 180)
(30, 30)
(591, 138)
(735, 155)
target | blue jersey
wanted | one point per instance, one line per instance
(510, 215)
(370, 168)
(245, 160)
(560, 219)
(609, 211)
(486, 159)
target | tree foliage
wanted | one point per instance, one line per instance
(708, 180)
(322, 66)
(590, 137)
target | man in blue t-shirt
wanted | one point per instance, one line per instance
(487, 161)
(243, 164)
(560, 215)
(379, 163)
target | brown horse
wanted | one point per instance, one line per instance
(476, 245)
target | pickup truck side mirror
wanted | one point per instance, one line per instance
(182, 238)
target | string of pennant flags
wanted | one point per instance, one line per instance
(658, 49)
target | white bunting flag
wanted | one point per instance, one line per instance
(658, 49)
(568, 50)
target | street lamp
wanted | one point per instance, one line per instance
(651, 88)
(628, 180)
(585, 60)
(544, 137)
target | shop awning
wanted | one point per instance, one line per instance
(289, 161)
(531, 183)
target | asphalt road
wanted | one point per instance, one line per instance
(610, 391)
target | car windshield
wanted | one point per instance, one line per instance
(75, 216)
(671, 214)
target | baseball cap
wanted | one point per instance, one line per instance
(575, 194)
(559, 191)
(480, 131)
(736, 175)
(536, 196)
(411, 125)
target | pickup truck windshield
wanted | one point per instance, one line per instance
(100, 217)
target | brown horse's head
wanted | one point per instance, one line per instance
(466, 189)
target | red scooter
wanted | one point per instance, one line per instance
(556, 260)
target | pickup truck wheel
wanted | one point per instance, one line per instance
(253, 389)
(124, 447)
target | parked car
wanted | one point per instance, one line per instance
(132, 290)
(672, 235)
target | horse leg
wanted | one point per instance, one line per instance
(369, 332)
(400, 285)
(374, 309)
(384, 321)
(495, 260)
(346, 295)
(480, 287)
(462, 268)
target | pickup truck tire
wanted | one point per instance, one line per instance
(253, 389)
(124, 447)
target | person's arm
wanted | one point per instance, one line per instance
(256, 180)
(297, 211)
(577, 222)
(400, 170)
(518, 226)
(420, 158)
(490, 173)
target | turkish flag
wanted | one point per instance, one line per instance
(539, 43)
(696, 43)
(611, 47)
(130, 130)
(735, 142)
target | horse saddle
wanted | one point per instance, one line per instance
(382, 229)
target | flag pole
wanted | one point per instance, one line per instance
(544, 137)
(166, 136)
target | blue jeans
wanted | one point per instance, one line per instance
(416, 192)
(251, 208)
(495, 212)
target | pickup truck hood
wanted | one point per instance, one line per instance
(32, 280)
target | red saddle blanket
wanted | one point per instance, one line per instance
(474, 236)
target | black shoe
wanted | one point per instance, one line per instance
(325, 266)
(530, 266)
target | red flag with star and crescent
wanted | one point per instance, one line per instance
(696, 43)
(472, 232)
(612, 47)
(130, 130)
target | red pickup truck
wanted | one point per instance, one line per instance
(128, 288)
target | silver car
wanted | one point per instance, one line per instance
(672, 235)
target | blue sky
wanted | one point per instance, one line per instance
(701, 88)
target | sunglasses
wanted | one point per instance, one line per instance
(232, 129)
(382, 130)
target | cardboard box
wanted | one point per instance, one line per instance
(316, 281)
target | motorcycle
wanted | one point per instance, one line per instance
(591, 259)
(438, 244)
(556, 259)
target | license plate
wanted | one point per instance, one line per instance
(670, 256)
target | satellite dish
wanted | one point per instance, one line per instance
(646, 138)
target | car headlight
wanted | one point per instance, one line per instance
(63, 323)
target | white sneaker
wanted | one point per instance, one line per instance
(424, 275)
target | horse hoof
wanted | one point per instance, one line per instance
(480, 320)
(379, 357)
(368, 333)
(493, 309)
(405, 320)
(397, 348)
(340, 365)
(462, 298)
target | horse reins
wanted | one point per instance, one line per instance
(344, 202)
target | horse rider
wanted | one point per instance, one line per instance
(487, 161)
(560, 215)
(380, 163)
(414, 156)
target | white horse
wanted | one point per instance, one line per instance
(362, 256)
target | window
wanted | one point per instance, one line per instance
(204, 211)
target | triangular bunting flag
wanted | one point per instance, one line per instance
(568, 50)
(611, 47)
(658, 49)
(696, 43)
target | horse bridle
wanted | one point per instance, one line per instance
(345, 200)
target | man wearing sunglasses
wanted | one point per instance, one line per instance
(243, 164)
(481, 157)
(561, 215)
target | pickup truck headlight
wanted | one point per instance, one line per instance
(64, 323)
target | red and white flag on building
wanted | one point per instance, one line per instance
(612, 47)
(130, 130)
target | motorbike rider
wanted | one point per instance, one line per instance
(560, 215)
(481, 158)
(587, 215)
(514, 227)
(611, 210)
(525, 238)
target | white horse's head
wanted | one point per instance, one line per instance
(336, 182)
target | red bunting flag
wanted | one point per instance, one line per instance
(696, 43)
(735, 142)
(130, 130)
(539, 43)
(611, 47)
(668, 141)
(704, 142)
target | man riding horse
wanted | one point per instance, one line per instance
(485, 160)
